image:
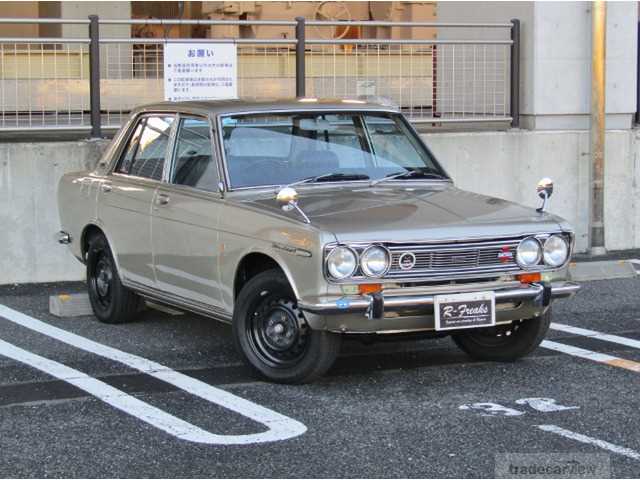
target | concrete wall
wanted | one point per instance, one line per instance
(29, 174)
(504, 164)
(509, 165)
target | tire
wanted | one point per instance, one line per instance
(110, 300)
(273, 337)
(505, 343)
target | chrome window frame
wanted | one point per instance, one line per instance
(124, 141)
(227, 178)
(214, 155)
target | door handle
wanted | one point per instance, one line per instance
(163, 199)
(106, 187)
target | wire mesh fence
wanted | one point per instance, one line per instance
(45, 83)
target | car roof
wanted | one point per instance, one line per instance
(205, 107)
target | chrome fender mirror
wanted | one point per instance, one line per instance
(287, 197)
(544, 189)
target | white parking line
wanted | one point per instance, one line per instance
(279, 426)
(629, 342)
(627, 452)
(593, 356)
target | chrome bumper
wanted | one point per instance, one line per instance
(375, 305)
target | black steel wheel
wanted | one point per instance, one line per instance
(273, 336)
(101, 281)
(110, 300)
(504, 343)
(278, 332)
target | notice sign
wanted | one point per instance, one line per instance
(200, 71)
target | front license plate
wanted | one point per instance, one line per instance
(465, 310)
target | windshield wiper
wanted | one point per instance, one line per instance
(407, 174)
(327, 177)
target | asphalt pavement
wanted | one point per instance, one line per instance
(167, 396)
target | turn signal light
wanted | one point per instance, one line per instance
(366, 288)
(530, 277)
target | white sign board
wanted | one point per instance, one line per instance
(200, 71)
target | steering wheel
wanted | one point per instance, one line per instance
(332, 11)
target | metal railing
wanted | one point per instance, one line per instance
(468, 74)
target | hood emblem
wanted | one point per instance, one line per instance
(407, 261)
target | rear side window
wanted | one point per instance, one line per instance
(145, 152)
(194, 164)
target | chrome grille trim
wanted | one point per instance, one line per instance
(454, 259)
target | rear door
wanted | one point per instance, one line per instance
(185, 218)
(127, 196)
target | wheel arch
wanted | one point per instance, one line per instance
(95, 228)
(255, 262)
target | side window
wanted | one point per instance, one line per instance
(390, 142)
(130, 151)
(145, 154)
(194, 164)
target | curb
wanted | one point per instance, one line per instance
(604, 270)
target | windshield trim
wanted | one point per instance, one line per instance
(403, 119)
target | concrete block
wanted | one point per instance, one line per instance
(604, 270)
(70, 305)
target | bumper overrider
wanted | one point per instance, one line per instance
(513, 303)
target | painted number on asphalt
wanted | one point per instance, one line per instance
(544, 404)
(489, 409)
(540, 404)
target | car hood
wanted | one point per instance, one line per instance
(369, 214)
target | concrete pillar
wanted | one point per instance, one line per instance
(555, 91)
(116, 59)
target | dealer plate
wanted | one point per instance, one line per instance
(465, 310)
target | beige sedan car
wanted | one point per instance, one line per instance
(302, 221)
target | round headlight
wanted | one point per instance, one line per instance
(374, 261)
(555, 251)
(341, 263)
(529, 253)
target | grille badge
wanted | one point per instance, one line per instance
(407, 261)
(505, 254)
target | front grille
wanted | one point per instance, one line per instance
(452, 260)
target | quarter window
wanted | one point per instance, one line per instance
(194, 164)
(145, 153)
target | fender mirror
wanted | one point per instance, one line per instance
(544, 189)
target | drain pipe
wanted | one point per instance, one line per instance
(597, 137)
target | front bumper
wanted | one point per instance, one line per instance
(512, 303)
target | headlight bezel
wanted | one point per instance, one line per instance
(542, 265)
(567, 252)
(365, 269)
(534, 265)
(333, 252)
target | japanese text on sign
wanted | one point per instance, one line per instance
(200, 71)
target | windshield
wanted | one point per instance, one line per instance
(279, 149)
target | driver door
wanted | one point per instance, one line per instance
(185, 218)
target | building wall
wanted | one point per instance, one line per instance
(555, 67)
(509, 165)
(504, 164)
